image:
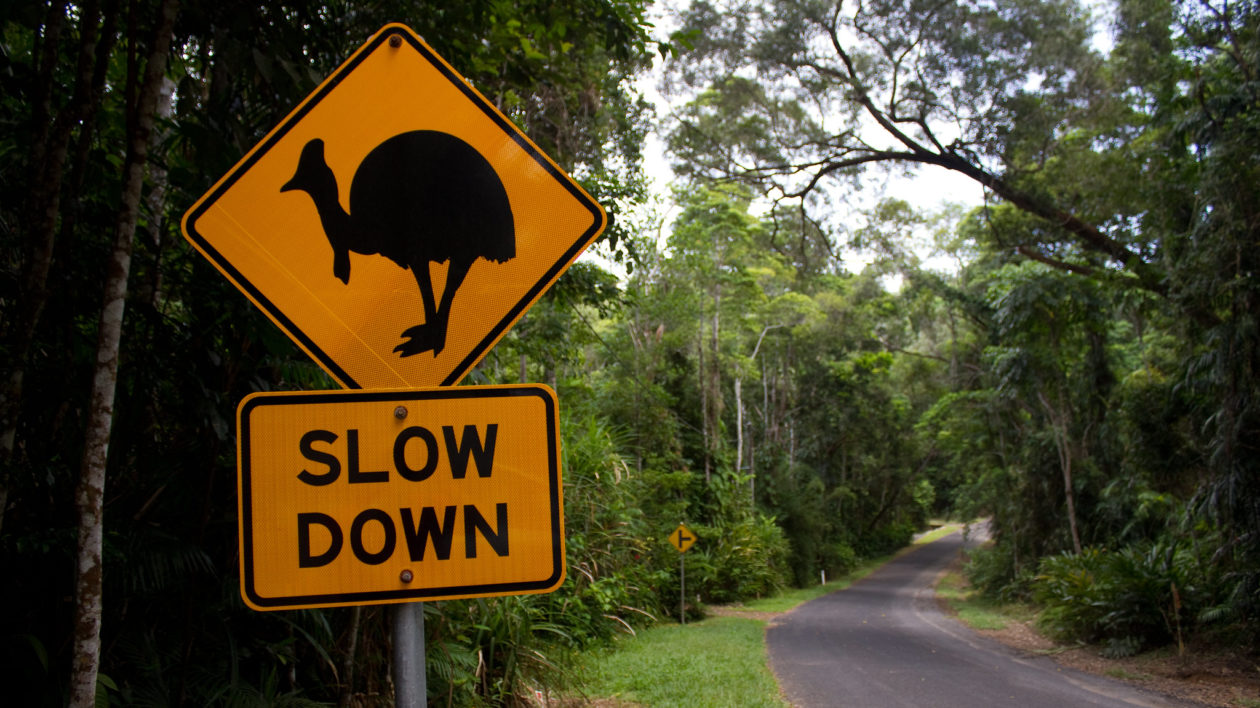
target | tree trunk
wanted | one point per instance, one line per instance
(347, 666)
(704, 402)
(1058, 422)
(739, 425)
(715, 374)
(90, 495)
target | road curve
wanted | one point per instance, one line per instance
(884, 643)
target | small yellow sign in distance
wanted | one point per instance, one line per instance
(396, 224)
(369, 497)
(682, 538)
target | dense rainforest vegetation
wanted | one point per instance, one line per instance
(1084, 372)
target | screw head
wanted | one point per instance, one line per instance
(405, 576)
(395, 41)
(400, 412)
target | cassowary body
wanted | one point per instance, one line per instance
(418, 198)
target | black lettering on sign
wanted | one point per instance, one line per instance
(430, 454)
(441, 534)
(417, 534)
(356, 536)
(306, 446)
(305, 559)
(470, 443)
(474, 521)
(352, 450)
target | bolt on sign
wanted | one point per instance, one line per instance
(395, 224)
(367, 497)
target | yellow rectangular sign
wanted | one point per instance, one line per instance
(367, 497)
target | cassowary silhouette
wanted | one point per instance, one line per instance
(419, 197)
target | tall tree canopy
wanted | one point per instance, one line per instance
(1115, 142)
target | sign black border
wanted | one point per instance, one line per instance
(420, 594)
(599, 219)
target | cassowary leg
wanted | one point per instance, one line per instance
(423, 337)
(454, 278)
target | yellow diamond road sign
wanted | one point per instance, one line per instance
(359, 497)
(395, 224)
(682, 538)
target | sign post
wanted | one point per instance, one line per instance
(682, 538)
(410, 690)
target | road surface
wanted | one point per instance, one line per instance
(884, 643)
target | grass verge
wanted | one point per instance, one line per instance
(718, 662)
(974, 610)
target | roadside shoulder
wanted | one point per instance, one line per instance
(1204, 675)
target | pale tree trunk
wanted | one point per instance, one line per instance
(739, 424)
(159, 181)
(739, 412)
(791, 444)
(715, 372)
(90, 494)
(1059, 422)
(704, 402)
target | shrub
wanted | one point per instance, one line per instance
(993, 571)
(839, 558)
(1070, 589)
(741, 559)
(1138, 596)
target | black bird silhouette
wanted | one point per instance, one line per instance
(419, 197)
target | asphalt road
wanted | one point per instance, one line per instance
(884, 643)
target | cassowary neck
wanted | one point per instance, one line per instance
(334, 219)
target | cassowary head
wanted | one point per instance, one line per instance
(316, 178)
(313, 174)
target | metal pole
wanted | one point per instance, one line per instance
(682, 587)
(409, 679)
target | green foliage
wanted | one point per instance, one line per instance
(885, 539)
(995, 572)
(739, 559)
(1137, 596)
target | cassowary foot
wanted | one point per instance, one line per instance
(420, 338)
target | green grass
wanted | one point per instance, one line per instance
(974, 610)
(718, 662)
